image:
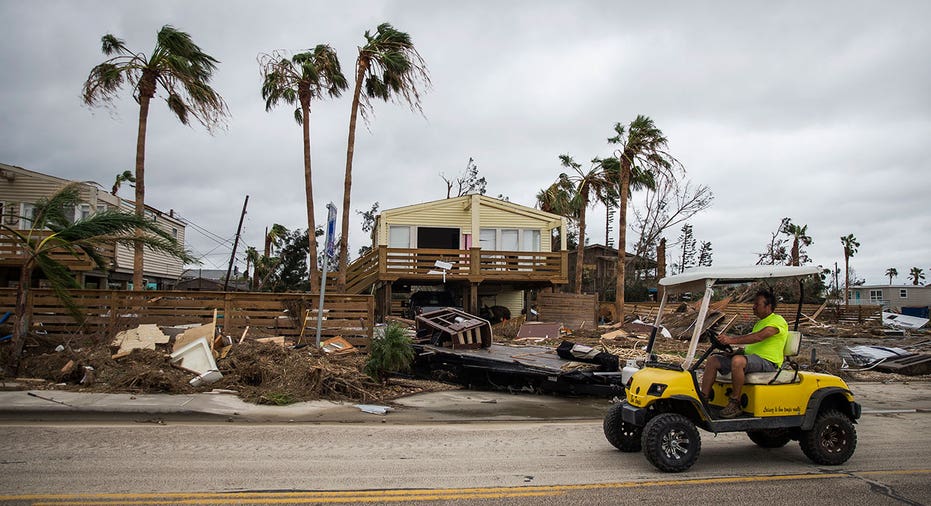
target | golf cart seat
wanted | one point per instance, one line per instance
(788, 373)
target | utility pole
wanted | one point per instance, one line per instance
(235, 244)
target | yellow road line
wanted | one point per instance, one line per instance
(405, 495)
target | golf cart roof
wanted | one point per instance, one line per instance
(694, 279)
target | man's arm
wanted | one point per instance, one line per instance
(764, 333)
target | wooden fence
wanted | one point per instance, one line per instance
(267, 314)
(575, 311)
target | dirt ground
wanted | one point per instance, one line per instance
(267, 373)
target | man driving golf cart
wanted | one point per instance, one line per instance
(763, 352)
(665, 404)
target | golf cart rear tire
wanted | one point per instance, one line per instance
(622, 435)
(671, 442)
(831, 441)
(770, 438)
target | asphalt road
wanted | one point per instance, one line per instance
(487, 463)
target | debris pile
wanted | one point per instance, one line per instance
(195, 358)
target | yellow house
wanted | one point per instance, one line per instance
(19, 190)
(484, 250)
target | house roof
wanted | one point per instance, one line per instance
(55, 179)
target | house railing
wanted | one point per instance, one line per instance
(475, 265)
(12, 251)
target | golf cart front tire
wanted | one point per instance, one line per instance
(624, 436)
(831, 441)
(671, 442)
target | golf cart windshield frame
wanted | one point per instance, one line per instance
(704, 279)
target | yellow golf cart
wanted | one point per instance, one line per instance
(663, 408)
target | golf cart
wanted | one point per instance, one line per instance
(664, 408)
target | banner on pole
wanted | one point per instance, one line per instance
(330, 249)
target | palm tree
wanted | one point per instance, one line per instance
(892, 273)
(176, 65)
(916, 274)
(389, 67)
(642, 147)
(80, 237)
(850, 249)
(799, 234)
(274, 237)
(583, 185)
(125, 177)
(304, 77)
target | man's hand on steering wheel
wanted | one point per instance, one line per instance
(717, 343)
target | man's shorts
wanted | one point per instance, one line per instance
(755, 363)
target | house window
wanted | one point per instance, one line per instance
(903, 293)
(101, 208)
(399, 237)
(876, 296)
(149, 215)
(509, 239)
(487, 238)
(174, 233)
(27, 213)
(531, 240)
(82, 211)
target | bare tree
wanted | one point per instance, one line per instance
(672, 202)
(467, 182)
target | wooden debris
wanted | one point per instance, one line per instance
(68, 367)
(279, 340)
(337, 345)
(142, 337)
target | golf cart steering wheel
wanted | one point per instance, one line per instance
(715, 343)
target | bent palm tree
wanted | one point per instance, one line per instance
(181, 69)
(77, 238)
(304, 77)
(916, 275)
(389, 67)
(800, 238)
(582, 187)
(642, 147)
(892, 272)
(850, 244)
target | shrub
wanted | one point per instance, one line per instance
(390, 353)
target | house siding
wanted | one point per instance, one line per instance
(457, 213)
(918, 296)
(29, 186)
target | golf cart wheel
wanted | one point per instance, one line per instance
(770, 438)
(622, 435)
(831, 441)
(671, 442)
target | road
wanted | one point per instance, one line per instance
(475, 463)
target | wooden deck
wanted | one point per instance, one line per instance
(473, 265)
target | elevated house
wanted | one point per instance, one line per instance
(21, 188)
(483, 250)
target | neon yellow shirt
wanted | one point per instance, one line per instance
(772, 347)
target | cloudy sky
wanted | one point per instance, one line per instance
(817, 111)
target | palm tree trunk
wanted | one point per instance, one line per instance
(795, 254)
(140, 185)
(580, 251)
(846, 280)
(313, 275)
(622, 240)
(347, 185)
(22, 319)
